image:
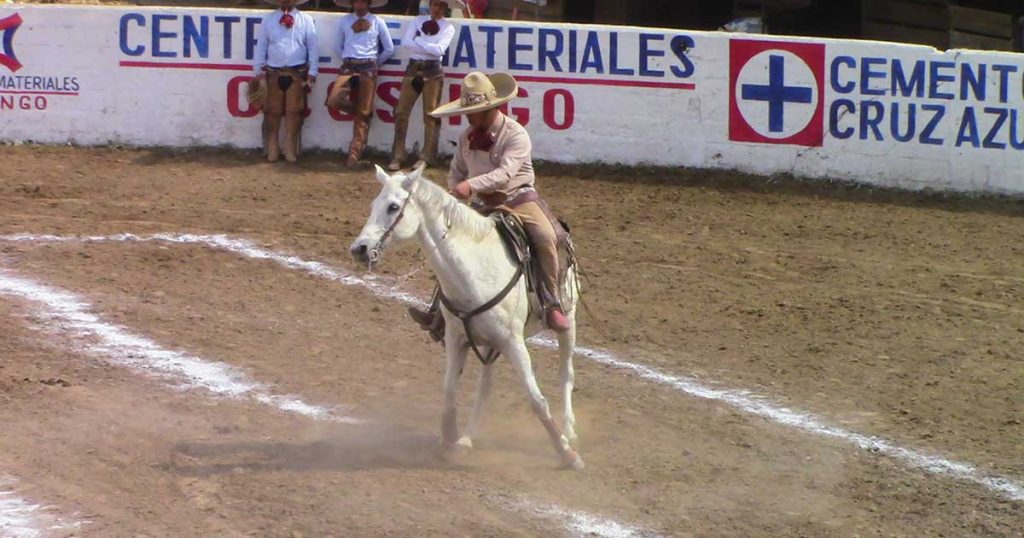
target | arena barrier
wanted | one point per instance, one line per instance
(878, 113)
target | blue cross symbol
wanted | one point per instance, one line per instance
(776, 93)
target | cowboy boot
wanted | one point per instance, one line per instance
(273, 137)
(556, 320)
(292, 130)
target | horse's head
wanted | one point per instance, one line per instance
(392, 217)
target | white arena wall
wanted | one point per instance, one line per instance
(877, 113)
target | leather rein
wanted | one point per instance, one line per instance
(466, 317)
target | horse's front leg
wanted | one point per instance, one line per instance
(520, 357)
(476, 420)
(567, 376)
(455, 350)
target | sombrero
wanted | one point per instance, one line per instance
(480, 92)
(373, 3)
(278, 2)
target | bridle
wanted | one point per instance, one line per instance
(378, 250)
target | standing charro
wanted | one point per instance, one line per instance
(493, 162)
(365, 44)
(427, 39)
(286, 65)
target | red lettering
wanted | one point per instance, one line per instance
(520, 114)
(568, 109)
(7, 102)
(235, 98)
(454, 94)
(25, 102)
(40, 103)
(389, 92)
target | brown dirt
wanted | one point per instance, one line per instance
(890, 314)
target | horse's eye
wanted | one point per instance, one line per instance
(393, 208)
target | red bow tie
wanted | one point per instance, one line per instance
(481, 140)
(431, 27)
(287, 20)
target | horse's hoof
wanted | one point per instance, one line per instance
(464, 443)
(572, 461)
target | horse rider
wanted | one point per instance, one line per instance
(427, 39)
(365, 44)
(286, 64)
(493, 163)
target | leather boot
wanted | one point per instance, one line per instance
(292, 131)
(556, 320)
(431, 321)
(273, 137)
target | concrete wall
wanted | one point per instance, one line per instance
(878, 113)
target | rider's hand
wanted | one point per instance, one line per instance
(463, 191)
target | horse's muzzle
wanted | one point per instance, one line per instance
(361, 253)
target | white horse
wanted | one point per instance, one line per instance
(473, 267)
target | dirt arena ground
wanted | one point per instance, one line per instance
(888, 314)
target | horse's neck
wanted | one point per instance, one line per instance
(466, 268)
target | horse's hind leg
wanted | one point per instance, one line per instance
(476, 420)
(567, 376)
(520, 357)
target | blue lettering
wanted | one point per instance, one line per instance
(646, 54)
(871, 114)
(836, 85)
(592, 54)
(866, 74)
(547, 54)
(394, 28)
(159, 35)
(491, 32)
(613, 56)
(976, 82)
(894, 122)
(199, 37)
(990, 138)
(141, 21)
(904, 87)
(926, 133)
(514, 47)
(573, 48)
(1014, 141)
(464, 53)
(250, 36)
(228, 23)
(968, 129)
(1004, 80)
(834, 116)
(937, 78)
(681, 44)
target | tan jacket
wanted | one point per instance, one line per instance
(507, 168)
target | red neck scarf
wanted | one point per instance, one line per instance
(287, 20)
(481, 139)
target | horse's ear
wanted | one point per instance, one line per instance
(382, 176)
(412, 177)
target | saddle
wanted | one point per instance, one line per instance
(520, 248)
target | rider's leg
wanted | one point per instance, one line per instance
(545, 242)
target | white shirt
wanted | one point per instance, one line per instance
(427, 47)
(364, 46)
(280, 46)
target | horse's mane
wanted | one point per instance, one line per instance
(434, 200)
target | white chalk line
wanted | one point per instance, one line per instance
(69, 312)
(581, 524)
(20, 518)
(742, 400)
(67, 315)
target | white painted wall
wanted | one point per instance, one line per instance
(636, 96)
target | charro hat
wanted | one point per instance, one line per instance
(480, 92)
(373, 3)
